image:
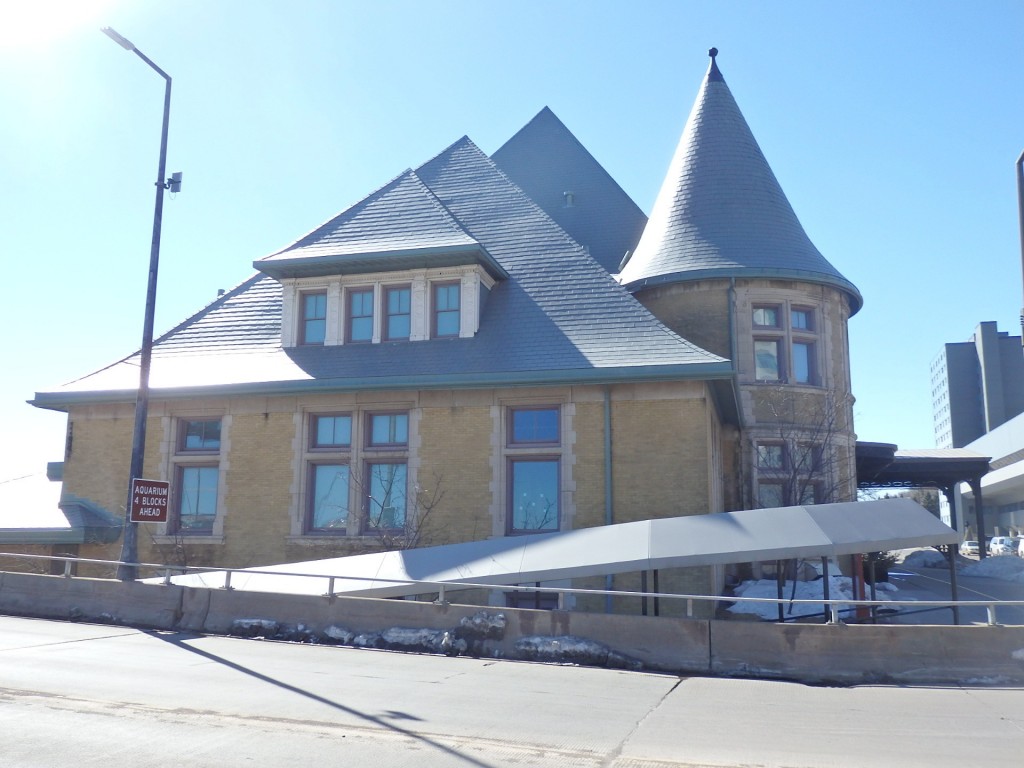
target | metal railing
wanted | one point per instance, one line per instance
(832, 609)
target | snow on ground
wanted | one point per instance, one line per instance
(925, 558)
(840, 588)
(1005, 567)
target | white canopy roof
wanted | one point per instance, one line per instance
(822, 530)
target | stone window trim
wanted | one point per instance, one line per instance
(355, 301)
(397, 426)
(770, 455)
(472, 280)
(312, 318)
(774, 493)
(314, 444)
(781, 463)
(397, 320)
(791, 327)
(551, 449)
(542, 519)
(312, 501)
(767, 315)
(528, 438)
(185, 474)
(439, 313)
(360, 454)
(373, 522)
(175, 457)
(198, 436)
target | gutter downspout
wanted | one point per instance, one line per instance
(733, 352)
(1020, 216)
(609, 517)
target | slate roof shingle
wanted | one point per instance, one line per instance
(546, 161)
(558, 316)
(401, 225)
(721, 212)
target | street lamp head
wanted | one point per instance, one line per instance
(126, 44)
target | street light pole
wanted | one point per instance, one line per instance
(128, 570)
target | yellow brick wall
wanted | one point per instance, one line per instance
(257, 485)
(698, 311)
(455, 460)
(660, 459)
(661, 465)
(96, 468)
(589, 468)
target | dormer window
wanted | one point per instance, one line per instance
(447, 316)
(360, 315)
(314, 318)
(398, 304)
(371, 308)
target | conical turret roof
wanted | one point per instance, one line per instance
(721, 211)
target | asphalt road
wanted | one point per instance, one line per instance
(933, 584)
(91, 695)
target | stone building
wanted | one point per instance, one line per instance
(490, 346)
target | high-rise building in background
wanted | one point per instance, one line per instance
(977, 385)
(978, 404)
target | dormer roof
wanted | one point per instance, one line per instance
(721, 212)
(400, 226)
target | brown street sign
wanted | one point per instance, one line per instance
(149, 501)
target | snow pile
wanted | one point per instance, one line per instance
(472, 635)
(1007, 567)
(338, 635)
(411, 640)
(254, 628)
(926, 558)
(482, 626)
(566, 649)
(840, 588)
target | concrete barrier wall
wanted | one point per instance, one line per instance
(67, 599)
(868, 653)
(808, 652)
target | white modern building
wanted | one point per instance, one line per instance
(1003, 487)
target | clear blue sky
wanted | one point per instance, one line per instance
(893, 127)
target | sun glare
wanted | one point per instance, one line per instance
(38, 23)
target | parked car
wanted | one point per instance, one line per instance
(1002, 545)
(969, 548)
(1020, 547)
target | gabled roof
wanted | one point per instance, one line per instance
(721, 211)
(559, 317)
(400, 226)
(548, 162)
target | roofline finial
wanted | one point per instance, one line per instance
(713, 72)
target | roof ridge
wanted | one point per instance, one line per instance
(519, 190)
(363, 201)
(442, 208)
